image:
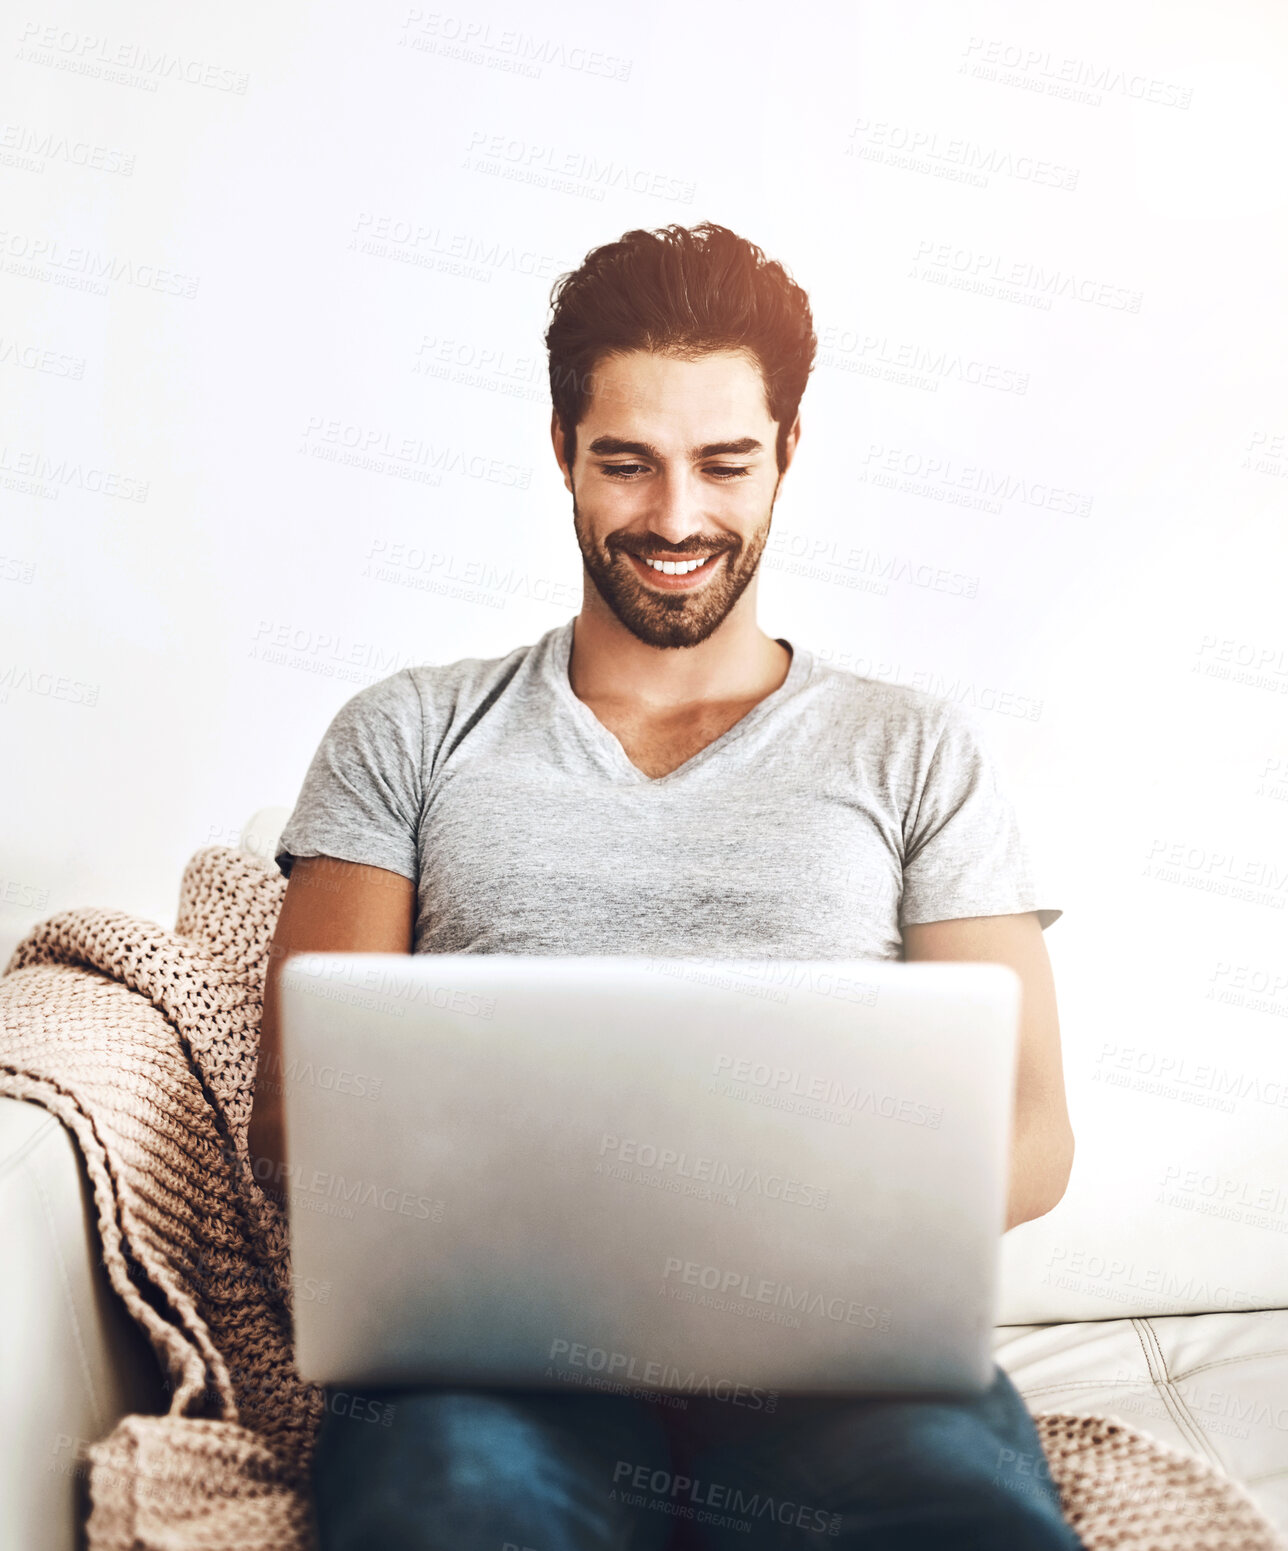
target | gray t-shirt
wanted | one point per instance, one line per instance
(838, 810)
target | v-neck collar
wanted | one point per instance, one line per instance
(608, 746)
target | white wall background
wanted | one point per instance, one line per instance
(1045, 247)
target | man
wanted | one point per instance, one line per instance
(659, 776)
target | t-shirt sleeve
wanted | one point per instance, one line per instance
(964, 854)
(361, 797)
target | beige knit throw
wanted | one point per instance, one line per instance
(143, 1042)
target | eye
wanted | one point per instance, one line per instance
(724, 472)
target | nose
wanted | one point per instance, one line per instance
(676, 512)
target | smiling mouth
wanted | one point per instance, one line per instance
(684, 566)
(675, 575)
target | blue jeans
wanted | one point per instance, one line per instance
(539, 1470)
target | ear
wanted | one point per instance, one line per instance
(789, 446)
(560, 446)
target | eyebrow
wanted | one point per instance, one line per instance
(610, 445)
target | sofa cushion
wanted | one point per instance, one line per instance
(71, 1360)
(1213, 1385)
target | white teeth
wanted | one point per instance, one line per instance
(677, 567)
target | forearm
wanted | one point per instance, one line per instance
(331, 906)
(264, 1141)
(264, 1136)
(1040, 1164)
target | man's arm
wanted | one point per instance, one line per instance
(1042, 1140)
(329, 907)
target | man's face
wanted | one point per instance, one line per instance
(675, 461)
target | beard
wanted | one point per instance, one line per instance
(671, 619)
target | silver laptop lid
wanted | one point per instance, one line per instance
(522, 1170)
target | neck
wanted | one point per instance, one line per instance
(738, 661)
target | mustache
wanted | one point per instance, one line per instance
(690, 547)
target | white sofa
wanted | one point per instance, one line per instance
(1156, 1292)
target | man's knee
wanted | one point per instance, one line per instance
(1021, 1514)
(479, 1440)
(438, 1462)
(444, 1432)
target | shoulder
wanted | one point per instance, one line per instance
(913, 743)
(406, 698)
(446, 684)
(900, 717)
(392, 703)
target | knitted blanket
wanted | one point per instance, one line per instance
(143, 1042)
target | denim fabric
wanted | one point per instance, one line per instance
(525, 1470)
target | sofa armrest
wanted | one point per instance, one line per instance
(72, 1361)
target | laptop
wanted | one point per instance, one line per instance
(647, 1175)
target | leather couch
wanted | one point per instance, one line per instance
(1156, 1292)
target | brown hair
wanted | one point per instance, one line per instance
(683, 292)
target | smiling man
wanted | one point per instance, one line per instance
(666, 651)
(660, 776)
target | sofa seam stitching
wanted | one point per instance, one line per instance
(14, 1162)
(1181, 1413)
(1223, 1362)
